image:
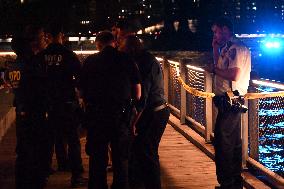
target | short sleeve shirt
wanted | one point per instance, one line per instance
(234, 55)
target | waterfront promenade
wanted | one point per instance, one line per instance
(183, 165)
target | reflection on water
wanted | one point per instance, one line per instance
(271, 132)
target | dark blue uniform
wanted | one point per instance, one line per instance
(62, 68)
(29, 82)
(106, 84)
(144, 164)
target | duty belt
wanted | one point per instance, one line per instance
(158, 108)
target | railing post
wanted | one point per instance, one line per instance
(244, 132)
(209, 107)
(253, 126)
(166, 73)
(182, 66)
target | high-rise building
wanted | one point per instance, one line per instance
(251, 15)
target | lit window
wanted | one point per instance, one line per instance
(254, 8)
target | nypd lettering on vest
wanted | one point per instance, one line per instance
(53, 59)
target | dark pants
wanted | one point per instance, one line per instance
(32, 151)
(144, 162)
(228, 149)
(64, 134)
(106, 128)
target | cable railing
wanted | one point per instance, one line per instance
(189, 91)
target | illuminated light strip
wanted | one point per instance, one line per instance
(250, 35)
(6, 40)
(258, 35)
(6, 53)
(85, 52)
(77, 52)
(269, 84)
(195, 68)
(73, 38)
(159, 59)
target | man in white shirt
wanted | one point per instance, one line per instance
(232, 66)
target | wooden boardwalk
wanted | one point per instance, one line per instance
(183, 165)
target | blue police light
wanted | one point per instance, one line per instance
(274, 44)
(271, 45)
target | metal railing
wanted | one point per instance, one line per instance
(201, 113)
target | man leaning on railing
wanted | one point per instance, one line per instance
(232, 73)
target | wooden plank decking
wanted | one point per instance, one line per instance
(183, 165)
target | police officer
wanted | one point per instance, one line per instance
(151, 120)
(62, 68)
(232, 72)
(29, 82)
(107, 81)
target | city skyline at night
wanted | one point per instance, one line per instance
(249, 16)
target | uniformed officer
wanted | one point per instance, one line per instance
(29, 82)
(107, 81)
(151, 120)
(232, 72)
(62, 68)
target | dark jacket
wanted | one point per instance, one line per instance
(108, 78)
(31, 95)
(152, 81)
(62, 69)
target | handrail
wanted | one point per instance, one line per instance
(207, 94)
(195, 92)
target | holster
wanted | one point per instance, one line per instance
(230, 101)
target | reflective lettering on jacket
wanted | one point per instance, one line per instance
(13, 74)
(53, 59)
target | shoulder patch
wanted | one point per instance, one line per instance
(232, 53)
